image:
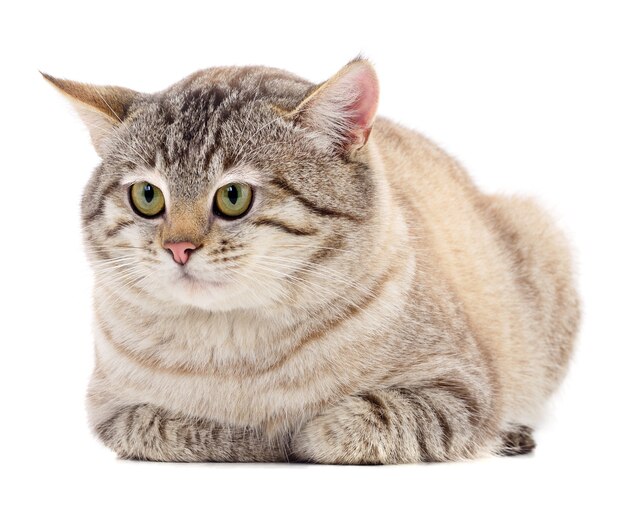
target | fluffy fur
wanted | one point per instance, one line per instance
(372, 306)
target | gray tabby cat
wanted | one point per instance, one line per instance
(282, 276)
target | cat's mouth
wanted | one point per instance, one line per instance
(196, 283)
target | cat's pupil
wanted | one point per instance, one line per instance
(232, 194)
(148, 193)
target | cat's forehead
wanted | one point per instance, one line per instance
(267, 82)
(221, 94)
(213, 119)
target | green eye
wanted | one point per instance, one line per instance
(233, 200)
(147, 200)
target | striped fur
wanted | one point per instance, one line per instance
(371, 307)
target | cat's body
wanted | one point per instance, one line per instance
(385, 310)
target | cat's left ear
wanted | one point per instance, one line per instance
(343, 108)
(102, 108)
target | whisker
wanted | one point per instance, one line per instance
(314, 286)
(334, 275)
(257, 281)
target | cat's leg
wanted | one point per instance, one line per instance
(145, 432)
(442, 421)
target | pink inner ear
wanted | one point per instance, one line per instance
(344, 107)
(362, 111)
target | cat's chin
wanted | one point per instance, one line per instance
(194, 283)
(208, 295)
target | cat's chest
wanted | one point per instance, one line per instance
(230, 370)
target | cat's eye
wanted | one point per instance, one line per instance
(233, 200)
(147, 200)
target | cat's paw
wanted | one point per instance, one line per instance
(517, 440)
(138, 432)
(350, 432)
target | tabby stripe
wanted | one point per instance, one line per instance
(101, 201)
(424, 404)
(330, 247)
(226, 110)
(283, 227)
(105, 429)
(433, 424)
(151, 422)
(351, 311)
(410, 397)
(99, 253)
(462, 394)
(131, 418)
(117, 228)
(322, 211)
(420, 435)
(446, 430)
(378, 408)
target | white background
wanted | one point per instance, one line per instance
(530, 98)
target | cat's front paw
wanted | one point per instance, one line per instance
(118, 431)
(146, 432)
(143, 432)
(354, 431)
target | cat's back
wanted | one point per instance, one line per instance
(503, 258)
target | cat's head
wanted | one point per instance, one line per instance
(236, 187)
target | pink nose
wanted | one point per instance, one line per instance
(180, 250)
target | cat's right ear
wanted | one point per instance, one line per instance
(102, 108)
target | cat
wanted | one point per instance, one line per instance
(281, 275)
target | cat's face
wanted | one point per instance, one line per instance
(235, 188)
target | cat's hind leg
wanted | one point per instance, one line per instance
(516, 440)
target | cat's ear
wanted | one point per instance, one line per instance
(343, 108)
(101, 108)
